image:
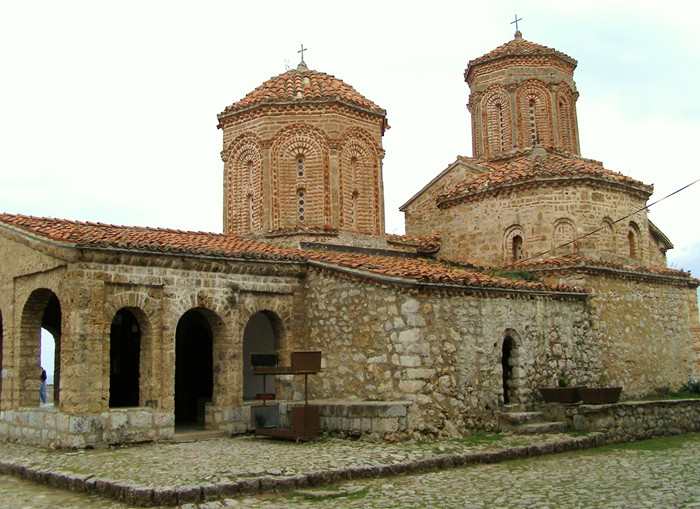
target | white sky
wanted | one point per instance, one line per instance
(108, 109)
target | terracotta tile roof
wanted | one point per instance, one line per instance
(424, 270)
(528, 168)
(576, 260)
(519, 47)
(302, 84)
(155, 240)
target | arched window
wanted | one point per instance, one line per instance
(513, 245)
(563, 236)
(633, 240)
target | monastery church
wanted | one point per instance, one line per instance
(522, 264)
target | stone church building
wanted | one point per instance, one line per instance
(521, 265)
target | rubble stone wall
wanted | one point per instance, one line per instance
(442, 350)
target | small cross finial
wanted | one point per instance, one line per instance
(302, 50)
(516, 22)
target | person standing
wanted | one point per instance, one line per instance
(42, 387)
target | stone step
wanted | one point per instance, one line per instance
(535, 428)
(518, 418)
(513, 407)
(198, 435)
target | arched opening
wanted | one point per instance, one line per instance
(194, 373)
(124, 359)
(2, 369)
(259, 337)
(633, 240)
(41, 311)
(507, 368)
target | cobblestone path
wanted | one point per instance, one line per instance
(639, 476)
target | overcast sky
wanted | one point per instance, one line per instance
(108, 109)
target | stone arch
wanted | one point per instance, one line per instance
(498, 121)
(145, 305)
(198, 376)
(360, 188)
(41, 310)
(243, 185)
(263, 334)
(513, 240)
(292, 144)
(633, 240)
(563, 236)
(566, 119)
(534, 114)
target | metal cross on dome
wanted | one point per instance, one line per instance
(516, 23)
(302, 50)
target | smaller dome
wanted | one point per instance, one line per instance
(303, 85)
(518, 49)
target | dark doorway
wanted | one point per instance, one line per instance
(194, 372)
(124, 360)
(507, 368)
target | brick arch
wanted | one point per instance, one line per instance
(497, 121)
(243, 185)
(634, 241)
(309, 144)
(534, 114)
(360, 188)
(563, 236)
(40, 303)
(204, 377)
(566, 119)
(148, 314)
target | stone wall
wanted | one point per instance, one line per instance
(442, 350)
(636, 420)
(643, 326)
(544, 216)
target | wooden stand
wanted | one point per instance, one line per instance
(304, 423)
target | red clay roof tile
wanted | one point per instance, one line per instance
(303, 85)
(157, 240)
(523, 168)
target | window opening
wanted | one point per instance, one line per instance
(301, 202)
(300, 166)
(533, 126)
(517, 248)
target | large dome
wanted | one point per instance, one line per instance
(519, 52)
(303, 85)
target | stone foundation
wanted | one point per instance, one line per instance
(48, 427)
(634, 420)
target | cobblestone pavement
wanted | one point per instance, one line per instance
(620, 477)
